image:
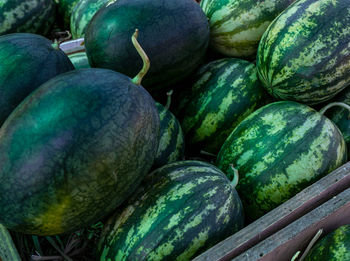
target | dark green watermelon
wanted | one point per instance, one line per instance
(74, 150)
(224, 93)
(174, 35)
(304, 54)
(26, 62)
(335, 246)
(184, 208)
(279, 150)
(82, 14)
(27, 16)
(79, 60)
(65, 9)
(171, 139)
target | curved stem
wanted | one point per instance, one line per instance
(233, 173)
(341, 104)
(168, 102)
(146, 63)
(56, 44)
(310, 245)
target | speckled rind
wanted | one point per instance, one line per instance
(174, 35)
(224, 93)
(279, 150)
(74, 150)
(171, 139)
(82, 14)
(186, 207)
(27, 61)
(26, 16)
(236, 26)
(334, 246)
(304, 55)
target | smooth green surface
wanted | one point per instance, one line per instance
(279, 150)
(174, 35)
(26, 62)
(79, 60)
(26, 16)
(74, 150)
(236, 26)
(183, 209)
(332, 247)
(304, 54)
(224, 93)
(171, 139)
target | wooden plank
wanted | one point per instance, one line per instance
(297, 235)
(302, 203)
(73, 46)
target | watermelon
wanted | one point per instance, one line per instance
(335, 246)
(279, 150)
(26, 16)
(224, 93)
(79, 60)
(171, 146)
(174, 35)
(8, 251)
(27, 61)
(81, 15)
(304, 55)
(65, 8)
(185, 208)
(236, 26)
(74, 150)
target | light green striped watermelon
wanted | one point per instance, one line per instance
(279, 150)
(82, 13)
(224, 93)
(79, 60)
(8, 251)
(236, 26)
(333, 247)
(26, 16)
(305, 55)
(186, 207)
(171, 146)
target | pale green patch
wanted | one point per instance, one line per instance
(196, 243)
(245, 157)
(274, 122)
(223, 210)
(176, 218)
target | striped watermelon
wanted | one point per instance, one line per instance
(27, 16)
(79, 60)
(236, 26)
(82, 13)
(171, 146)
(187, 207)
(278, 150)
(333, 247)
(225, 92)
(8, 251)
(305, 55)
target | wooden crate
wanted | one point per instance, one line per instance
(287, 229)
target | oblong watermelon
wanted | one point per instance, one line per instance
(82, 14)
(186, 207)
(236, 26)
(304, 55)
(224, 93)
(27, 16)
(335, 246)
(74, 150)
(26, 62)
(279, 150)
(174, 35)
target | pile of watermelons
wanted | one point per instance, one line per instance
(180, 124)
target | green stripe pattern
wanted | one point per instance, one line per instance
(187, 207)
(29, 16)
(79, 60)
(225, 92)
(236, 26)
(333, 247)
(171, 146)
(81, 15)
(279, 150)
(304, 54)
(340, 116)
(8, 251)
